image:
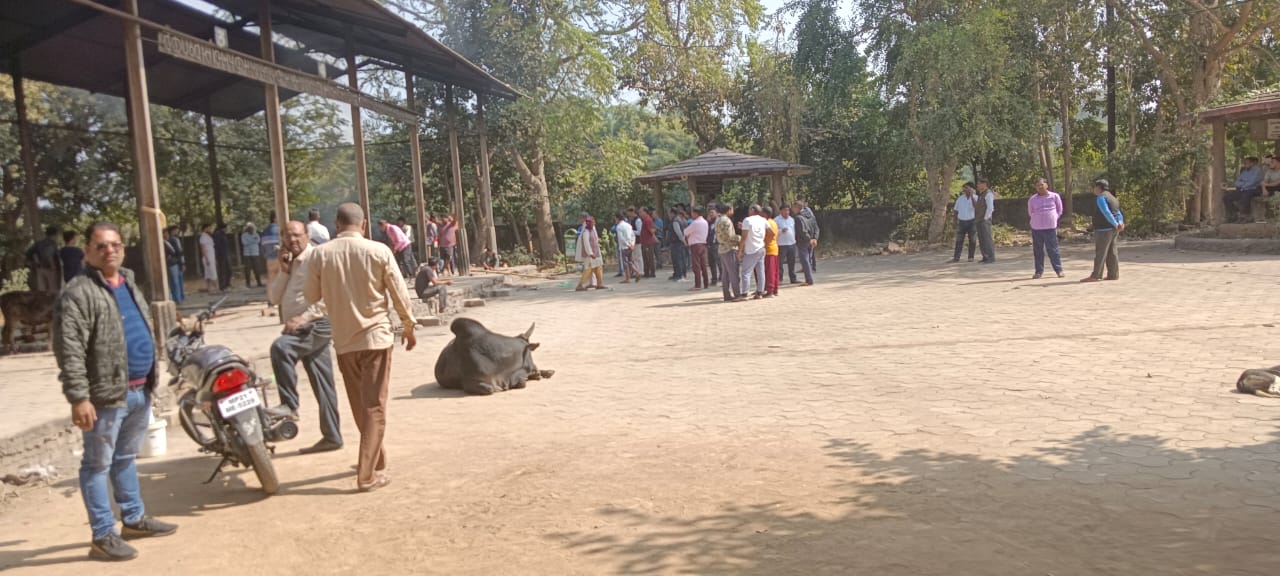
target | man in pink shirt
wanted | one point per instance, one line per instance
(1045, 208)
(695, 236)
(402, 247)
(448, 241)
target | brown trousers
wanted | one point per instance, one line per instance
(367, 374)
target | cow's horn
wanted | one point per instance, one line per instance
(529, 332)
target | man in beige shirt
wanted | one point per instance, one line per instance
(306, 337)
(356, 277)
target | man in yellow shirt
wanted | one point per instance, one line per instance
(356, 277)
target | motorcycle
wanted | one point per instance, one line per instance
(221, 404)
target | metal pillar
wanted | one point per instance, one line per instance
(357, 138)
(163, 310)
(275, 131)
(30, 199)
(488, 231)
(415, 163)
(215, 181)
(459, 212)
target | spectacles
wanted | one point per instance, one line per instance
(109, 246)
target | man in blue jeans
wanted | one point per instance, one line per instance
(176, 262)
(99, 319)
(1045, 208)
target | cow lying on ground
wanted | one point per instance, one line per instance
(33, 310)
(1260, 382)
(478, 361)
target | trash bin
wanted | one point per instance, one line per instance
(571, 241)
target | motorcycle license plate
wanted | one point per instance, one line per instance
(239, 402)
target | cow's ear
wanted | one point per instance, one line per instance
(533, 346)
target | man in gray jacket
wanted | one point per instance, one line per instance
(107, 366)
(806, 239)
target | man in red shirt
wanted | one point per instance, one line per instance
(648, 241)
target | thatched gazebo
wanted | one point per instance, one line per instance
(706, 173)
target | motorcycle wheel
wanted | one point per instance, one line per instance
(264, 468)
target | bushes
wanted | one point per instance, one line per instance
(916, 227)
(17, 281)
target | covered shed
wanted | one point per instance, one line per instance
(705, 174)
(1262, 112)
(231, 63)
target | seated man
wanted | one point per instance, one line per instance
(1271, 182)
(1248, 185)
(428, 283)
(490, 259)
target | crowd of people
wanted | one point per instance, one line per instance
(1253, 181)
(709, 243)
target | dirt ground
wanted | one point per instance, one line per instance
(903, 417)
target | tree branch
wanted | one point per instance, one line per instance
(1168, 74)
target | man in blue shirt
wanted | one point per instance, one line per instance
(99, 319)
(1108, 223)
(1248, 184)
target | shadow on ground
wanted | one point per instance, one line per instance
(1100, 503)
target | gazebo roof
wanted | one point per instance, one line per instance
(722, 163)
(1254, 106)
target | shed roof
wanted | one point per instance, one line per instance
(375, 32)
(1254, 106)
(723, 163)
(71, 45)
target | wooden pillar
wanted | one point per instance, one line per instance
(215, 181)
(357, 138)
(693, 190)
(455, 161)
(777, 188)
(659, 197)
(163, 310)
(275, 130)
(415, 163)
(30, 199)
(1214, 211)
(488, 230)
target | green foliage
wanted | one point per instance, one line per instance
(916, 227)
(1003, 234)
(1152, 180)
(16, 282)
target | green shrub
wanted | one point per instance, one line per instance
(17, 281)
(916, 227)
(1003, 234)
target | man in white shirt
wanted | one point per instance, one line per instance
(626, 248)
(306, 337)
(317, 232)
(986, 207)
(751, 252)
(786, 241)
(695, 236)
(966, 211)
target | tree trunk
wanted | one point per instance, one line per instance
(938, 176)
(535, 177)
(1046, 153)
(1067, 207)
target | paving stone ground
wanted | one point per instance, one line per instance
(904, 416)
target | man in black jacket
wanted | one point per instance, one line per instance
(806, 238)
(107, 366)
(176, 262)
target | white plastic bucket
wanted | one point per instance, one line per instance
(156, 442)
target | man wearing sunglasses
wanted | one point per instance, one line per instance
(101, 319)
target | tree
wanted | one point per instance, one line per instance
(677, 53)
(948, 62)
(1192, 43)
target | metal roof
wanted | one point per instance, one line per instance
(723, 163)
(1255, 106)
(70, 45)
(375, 32)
